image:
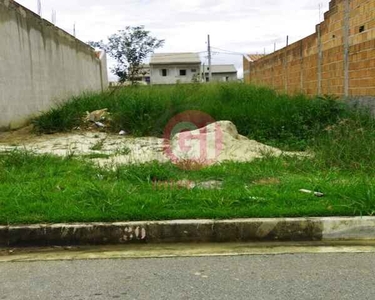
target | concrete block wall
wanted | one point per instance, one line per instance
(41, 65)
(339, 58)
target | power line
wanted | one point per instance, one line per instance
(226, 53)
(229, 51)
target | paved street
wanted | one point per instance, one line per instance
(298, 276)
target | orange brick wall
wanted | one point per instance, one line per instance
(298, 68)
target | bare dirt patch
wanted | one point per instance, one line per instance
(219, 141)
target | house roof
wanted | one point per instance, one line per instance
(255, 57)
(175, 58)
(221, 69)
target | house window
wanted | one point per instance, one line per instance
(182, 72)
(362, 28)
(193, 70)
(164, 72)
(227, 78)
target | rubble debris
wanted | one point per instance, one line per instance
(97, 115)
(317, 194)
(100, 124)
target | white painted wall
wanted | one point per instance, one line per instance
(222, 77)
(173, 75)
(41, 65)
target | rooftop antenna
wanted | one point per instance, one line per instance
(39, 7)
(53, 18)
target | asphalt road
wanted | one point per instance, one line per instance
(298, 276)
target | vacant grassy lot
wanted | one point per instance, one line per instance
(50, 189)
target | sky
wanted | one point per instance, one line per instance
(240, 26)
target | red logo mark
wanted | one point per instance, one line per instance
(193, 138)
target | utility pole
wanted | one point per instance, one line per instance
(74, 29)
(320, 12)
(53, 18)
(209, 59)
(203, 73)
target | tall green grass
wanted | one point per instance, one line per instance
(339, 136)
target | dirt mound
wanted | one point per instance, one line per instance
(218, 142)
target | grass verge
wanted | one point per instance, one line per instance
(36, 189)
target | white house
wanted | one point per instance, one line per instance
(171, 68)
(221, 73)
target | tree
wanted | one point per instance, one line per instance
(129, 47)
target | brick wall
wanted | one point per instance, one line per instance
(339, 58)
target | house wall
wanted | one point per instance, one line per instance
(337, 59)
(41, 65)
(220, 77)
(173, 73)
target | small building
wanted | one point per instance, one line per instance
(172, 68)
(220, 73)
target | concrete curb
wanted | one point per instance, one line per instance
(193, 231)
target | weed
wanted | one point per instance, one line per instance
(98, 145)
(123, 151)
(96, 156)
